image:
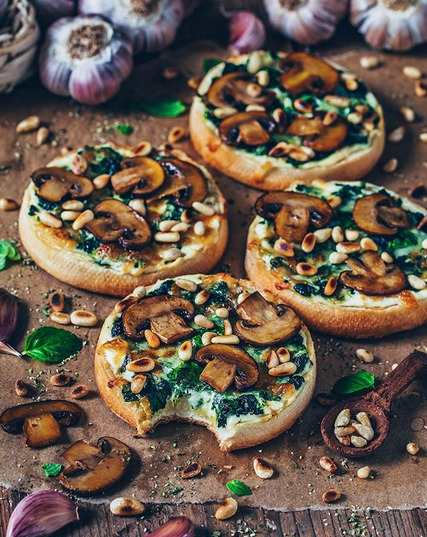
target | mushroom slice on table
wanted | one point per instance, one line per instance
(378, 215)
(92, 468)
(116, 222)
(139, 175)
(293, 213)
(263, 324)
(232, 89)
(226, 364)
(41, 431)
(303, 72)
(249, 128)
(371, 276)
(54, 184)
(318, 136)
(160, 314)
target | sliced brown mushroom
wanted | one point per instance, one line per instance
(55, 184)
(377, 214)
(303, 72)
(226, 364)
(318, 136)
(184, 181)
(92, 468)
(159, 313)
(234, 88)
(250, 128)
(371, 276)
(263, 324)
(116, 222)
(139, 175)
(41, 431)
(293, 213)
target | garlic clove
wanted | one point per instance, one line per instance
(177, 526)
(41, 514)
(247, 32)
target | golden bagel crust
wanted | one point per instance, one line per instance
(55, 252)
(239, 436)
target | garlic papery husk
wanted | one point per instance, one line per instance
(150, 24)
(9, 309)
(51, 10)
(306, 21)
(247, 32)
(85, 57)
(177, 526)
(390, 24)
(40, 514)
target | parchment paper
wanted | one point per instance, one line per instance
(399, 479)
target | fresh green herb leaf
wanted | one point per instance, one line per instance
(162, 106)
(125, 129)
(361, 380)
(238, 488)
(51, 470)
(49, 344)
(209, 63)
(8, 252)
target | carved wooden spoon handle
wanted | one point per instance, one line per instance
(406, 372)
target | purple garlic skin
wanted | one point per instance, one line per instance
(85, 58)
(247, 32)
(177, 526)
(150, 25)
(51, 10)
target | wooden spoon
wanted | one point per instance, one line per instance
(376, 404)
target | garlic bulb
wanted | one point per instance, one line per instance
(150, 24)
(51, 10)
(85, 57)
(390, 24)
(247, 32)
(306, 21)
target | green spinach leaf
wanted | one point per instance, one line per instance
(161, 106)
(50, 344)
(238, 488)
(361, 380)
(51, 470)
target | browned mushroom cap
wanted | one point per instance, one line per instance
(225, 364)
(64, 412)
(116, 222)
(293, 213)
(318, 136)
(54, 184)
(141, 175)
(302, 72)
(184, 181)
(42, 430)
(371, 276)
(92, 468)
(262, 324)
(250, 128)
(232, 89)
(376, 214)
(158, 313)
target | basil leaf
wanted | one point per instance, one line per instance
(51, 470)
(49, 344)
(163, 107)
(210, 63)
(8, 252)
(361, 380)
(238, 488)
(125, 129)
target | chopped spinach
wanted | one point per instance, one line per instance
(88, 243)
(185, 378)
(32, 210)
(226, 406)
(46, 205)
(296, 380)
(157, 392)
(163, 289)
(117, 328)
(305, 289)
(108, 162)
(218, 293)
(128, 395)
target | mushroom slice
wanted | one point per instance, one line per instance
(66, 413)
(160, 314)
(232, 89)
(318, 136)
(41, 431)
(55, 184)
(371, 276)
(376, 214)
(116, 222)
(263, 324)
(293, 213)
(303, 72)
(141, 175)
(94, 469)
(250, 128)
(225, 364)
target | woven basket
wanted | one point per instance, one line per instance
(19, 35)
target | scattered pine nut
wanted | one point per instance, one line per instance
(69, 216)
(416, 282)
(8, 204)
(283, 354)
(187, 285)
(351, 234)
(78, 164)
(337, 234)
(30, 123)
(263, 469)
(190, 471)
(42, 135)
(141, 365)
(50, 220)
(390, 166)
(169, 73)
(306, 269)
(126, 507)
(142, 149)
(57, 301)
(328, 464)
(331, 496)
(172, 254)
(369, 62)
(412, 448)
(207, 338)
(194, 82)
(364, 472)
(167, 236)
(322, 235)
(227, 509)
(83, 318)
(223, 313)
(368, 244)
(176, 134)
(386, 257)
(202, 297)
(308, 243)
(273, 359)
(412, 72)
(420, 88)
(73, 205)
(60, 379)
(226, 340)
(343, 418)
(396, 135)
(224, 111)
(407, 113)
(347, 247)
(366, 356)
(202, 208)
(84, 218)
(185, 351)
(101, 181)
(423, 137)
(152, 339)
(263, 78)
(282, 370)
(60, 318)
(138, 205)
(331, 286)
(137, 384)
(199, 228)
(335, 258)
(203, 322)
(284, 247)
(21, 388)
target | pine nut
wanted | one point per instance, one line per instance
(227, 509)
(83, 318)
(368, 244)
(345, 440)
(364, 472)
(57, 301)
(351, 234)
(322, 235)
(328, 464)
(199, 228)
(185, 351)
(138, 205)
(225, 111)
(279, 117)
(69, 216)
(222, 312)
(142, 149)
(347, 247)
(284, 247)
(8, 204)
(420, 88)
(50, 220)
(262, 468)
(337, 101)
(141, 365)
(424, 244)
(180, 227)
(331, 286)
(335, 202)
(126, 507)
(283, 354)
(412, 72)
(412, 448)
(407, 113)
(396, 135)
(190, 471)
(30, 123)
(362, 109)
(263, 78)
(365, 356)
(101, 181)
(73, 205)
(306, 269)
(329, 118)
(416, 283)
(308, 243)
(202, 208)
(207, 338)
(167, 225)
(344, 431)
(390, 166)
(331, 496)
(137, 384)
(369, 62)
(354, 118)
(386, 257)
(337, 234)
(203, 321)
(187, 285)
(167, 236)
(226, 340)
(172, 254)
(343, 418)
(176, 134)
(358, 441)
(84, 218)
(282, 370)
(152, 339)
(253, 90)
(364, 431)
(60, 318)
(255, 62)
(351, 84)
(78, 164)
(273, 359)
(21, 388)
(242, 297)
(363, 418)
(202, 297)
(60, 379)
(42, 135)
(303, 106)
